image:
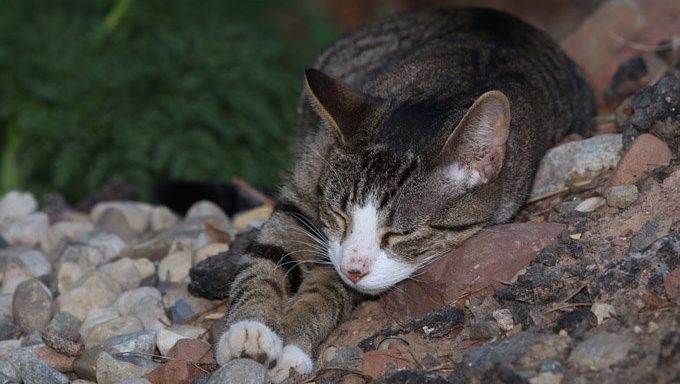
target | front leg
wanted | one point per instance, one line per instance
(320, 304)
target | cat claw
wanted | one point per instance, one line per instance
(291, 357)
(249, 339)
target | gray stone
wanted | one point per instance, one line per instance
(94, 290)
(32, 305)
(166, 339)
(175, 267)
(621, 196)
(113, 371)
(343, 357)
(590, 204)
(3, 243)
(136, 214)
(145, 267)
(110, 244)
(64, 320)
(162, 218)
(69, 274)
(15, 205)
(124, 271)
(64, 231)
(6, 305)
(35, 371)
(115, 327)
(205, 208)
(28, 230)
(85, 366)
(35, 263)
(181, 311)
(31, 339)
(139, 342)
(97, 316)
(83, 255)
(649, 233)
(8, 330)
(114, 221)
(242, 371)
(12, 281)
(9, 371)
(601, 351)
(137, 300)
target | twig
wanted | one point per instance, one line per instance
(253, 193)
(567, 306)
(638, 46)
(546, 195)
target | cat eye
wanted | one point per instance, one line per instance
(340, 219)
(390, 238)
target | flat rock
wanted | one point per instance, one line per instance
(114, 221)
(32, 305)
(145, 267)
(69, 274)
(64, 320)
(243, 371)
(495, 254)
(621, 196)
(64, 341)
(645, 154)
(60, 362)
(83, 255)
(174, 371)
(139, 342)
(119, 326)
(601, 351)
(138, 299)
(113, 371)
(85, 365)
(206, 208)
(35, 371)
(193, 351)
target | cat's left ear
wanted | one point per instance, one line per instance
(474, 153)
(342, 106)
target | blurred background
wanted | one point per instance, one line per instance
(126, 97)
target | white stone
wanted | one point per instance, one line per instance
(111, 245)
(95, 317)
(35, 263)
(138, 300)
(602, 311)
(207, 251)
(69, 274)
(28, 230)
(85, 255)
(15, 205)
(10, 282)
(69, 230)
(166, 339)
(504, 319)
(145, 267)
(205, 208)
(124, 272)
(162, 218)
(136, 214)
(175, 267)
(188, 331)
(590, 204)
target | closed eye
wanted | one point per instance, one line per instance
(390, 238)
(341, 220)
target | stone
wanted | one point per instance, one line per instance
(547, 378)
(113, 371)
(162, 218)
(119, 326)
(378, 363)
(35, 264)
(35, 371)
(61, 362)
(166, 339)
(136, 214)
(64, 230)
(94, 290)
(206, 208)
(188, 331)
(242, 371)
(85, 365)
(621, 196)
(8, 329)
(97, 316)
(407, 376)
(181, 311)
(110, 244)
(175, 267)
(6, 305)
(601, 351)
(348, 357)
(649, 233)
(114, 221)
(602, 311)
(145, 267)
(645, 154)
(193, 351)
(28, 230)
(15, 205)
(69, 274)
(174, 371)
(12, 281)
(252, 218)
(136, 300)
(143, 342)
(208, 250)
(63, 341)
(32, 305)
(124, 271)
(8, 372)
(590, 204)
(490, 256)
(3, 243)
(672, 284)
(181, 293)
(85, 256)
(577, 160)
(504, 319)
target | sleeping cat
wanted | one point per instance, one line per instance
(414, 133)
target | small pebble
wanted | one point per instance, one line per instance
(589, 205)
(621, 196)
(64, 341)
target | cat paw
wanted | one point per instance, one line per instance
(249, 339)
(291, 357)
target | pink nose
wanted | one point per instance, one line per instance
(354, 275)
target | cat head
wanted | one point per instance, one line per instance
(403, 181)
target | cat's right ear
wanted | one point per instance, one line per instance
(342, 106)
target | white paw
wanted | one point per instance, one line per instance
(291, 357)
(250, 339)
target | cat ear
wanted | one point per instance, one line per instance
(474, 153)
(338, 103)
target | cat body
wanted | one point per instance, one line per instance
(413, 134)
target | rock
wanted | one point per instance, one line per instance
(205, 208)
(672, 284)
(15, 205)
(28, 230)
(136, 300)
(94, 290)
(590, 204)
(497, 254)
(136, 214)
(649, 233)
(602, 311)
(110, 244)
(601, 351)
(63, 341)
(413, 377)
(85, 256)
(207, 251)
(174, 371)
(12, 281)
(577, 160)
(145, 267)
(35, 263)
(343, 357)
(9, 374)
(64, 320)
(69, 274)
(97, 316)
(32, 305)
(193, 351)
(139, 342)
(124, 271)
(645, 154)
(114, 221)
(60, 362)
(3, 243)
(547, 378)
(181, 311)
(621, 196)
(113, 371)
(6, 305)
(378, 363)
(252, 218)
(162, 218)
(504, 319)
(35, 371)
(180, 293)
(119, 326)
(576, 323)
(166, 339)
(175, 267)
(8, 330)
(85, 366)
(242, 371)
(188, 331)
(64, 230)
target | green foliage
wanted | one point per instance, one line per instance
(149, 89)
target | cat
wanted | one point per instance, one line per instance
(413, 134)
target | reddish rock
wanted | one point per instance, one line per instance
(645, 154)
(194, 351)
(493, 255)
(174, 371)
(377, 363)
(66, 341)
(672, 284)
(54, 359)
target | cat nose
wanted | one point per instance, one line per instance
(355, 275)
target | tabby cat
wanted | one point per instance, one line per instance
(414, 133)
